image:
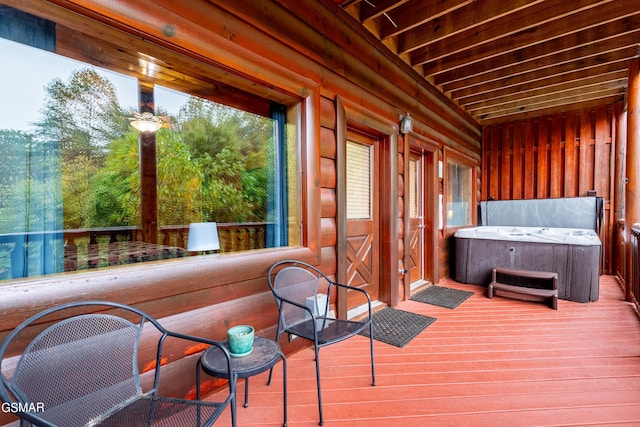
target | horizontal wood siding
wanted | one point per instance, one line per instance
(328, 174)
(561, 155)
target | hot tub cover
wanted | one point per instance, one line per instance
(569, 236)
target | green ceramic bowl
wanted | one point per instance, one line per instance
(240, 340)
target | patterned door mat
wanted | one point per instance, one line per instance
(397, 327)
(442, 296)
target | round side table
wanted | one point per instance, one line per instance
(265, 354)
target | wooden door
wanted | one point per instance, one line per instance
(362, 249)
(416, 218)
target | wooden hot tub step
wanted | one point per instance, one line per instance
(528, 274)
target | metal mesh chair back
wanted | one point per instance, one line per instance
(83, 370)
(91, 363)
(295, 286)
(300, 286)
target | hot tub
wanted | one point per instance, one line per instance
(573, 253)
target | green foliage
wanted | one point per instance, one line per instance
(77, 194)
(179, 181)
(230, 147)
(83, 115)
(211, 165)
(116, 186)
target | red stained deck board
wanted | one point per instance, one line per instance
(486, 363)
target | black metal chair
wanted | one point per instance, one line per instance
(84, 370)
(304, 311)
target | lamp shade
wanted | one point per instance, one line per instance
(146, 121)
(203, 236)
(146, 125)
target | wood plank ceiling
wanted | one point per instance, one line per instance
(501, 60)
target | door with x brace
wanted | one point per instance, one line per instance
(362, 249)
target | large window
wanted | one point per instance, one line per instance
(70, 186)
(459, 179)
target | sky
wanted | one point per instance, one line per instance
(26, 71)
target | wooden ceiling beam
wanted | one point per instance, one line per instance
(560, 97)
(494, 98)
(581, 53)
(416, 14)
(523, 20)
(568, 104)
(498, 60)
(552, 75)
(499, 39)
(374, 9)
(625, 32)
(556, 109)
(465, 20)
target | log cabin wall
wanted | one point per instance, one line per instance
(561, 155)
(328, 182)
(310, 53)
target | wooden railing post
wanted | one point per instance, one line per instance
(632, 189)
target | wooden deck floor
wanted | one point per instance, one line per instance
(498, 362)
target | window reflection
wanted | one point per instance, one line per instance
(70, 170)
(459, 194)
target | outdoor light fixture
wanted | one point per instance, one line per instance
(146, 122)
(203, 236)
(406, 124)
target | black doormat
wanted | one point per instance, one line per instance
(441, 296)
(397, 327)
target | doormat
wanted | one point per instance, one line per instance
(442, 296)
(397, 327)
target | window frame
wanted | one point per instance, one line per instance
(305, 114)
(451, 156)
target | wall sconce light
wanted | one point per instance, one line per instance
(406, 124)
(203, 236)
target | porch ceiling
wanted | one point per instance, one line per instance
(500, 60)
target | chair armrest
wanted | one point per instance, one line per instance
(352, 288)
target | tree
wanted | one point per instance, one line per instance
(83, 115)
(116, 186)
(179, 181)
(231, 146)
(80, 117)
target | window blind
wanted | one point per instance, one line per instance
(358, 181)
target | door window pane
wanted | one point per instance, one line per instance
(358, 181)
(414, 187)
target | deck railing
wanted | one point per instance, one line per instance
(33, 253)
(234, 237)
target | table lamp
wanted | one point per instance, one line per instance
(203, 236)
